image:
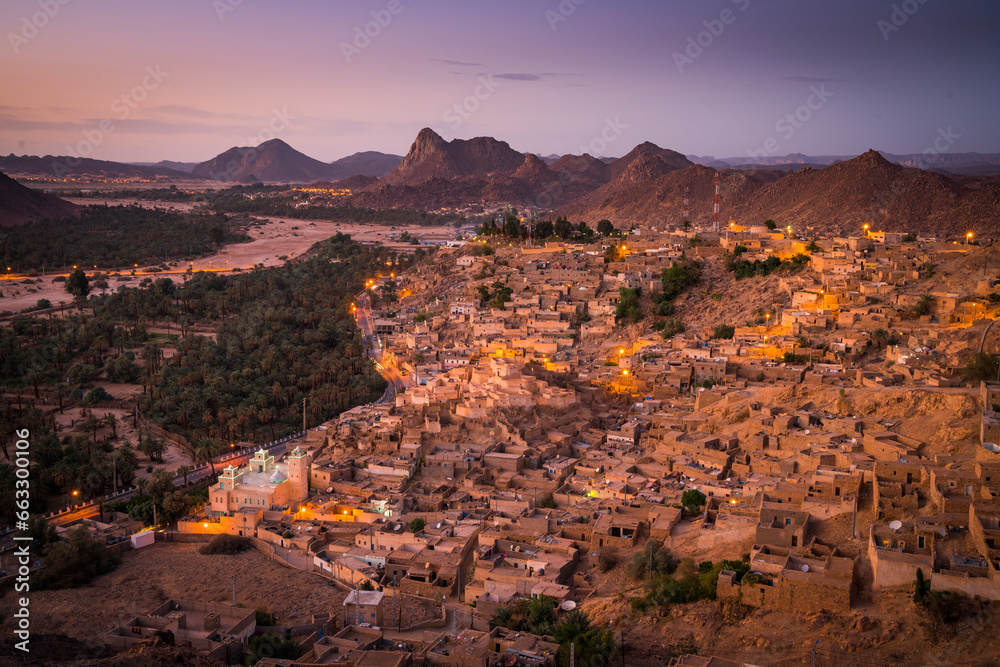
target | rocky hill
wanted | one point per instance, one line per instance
(840, 197)
(432, 157)
(19, 204)
(670, 159)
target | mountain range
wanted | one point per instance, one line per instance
(838, 198)
(646, 185)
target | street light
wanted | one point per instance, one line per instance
(968, 237)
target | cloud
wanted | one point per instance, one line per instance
(457, 63)
(519, 76)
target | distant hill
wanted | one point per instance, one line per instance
(838, 198)
(966, 164)
(367, 163)
(186, 167)
(19, 204)
(273, 161)
(62, 166)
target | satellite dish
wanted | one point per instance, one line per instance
(329, 489)
(804, 568)
(807, 431)
(942, 532)
(438, 525)
(895, 525)
(568, 605)
(396, 527)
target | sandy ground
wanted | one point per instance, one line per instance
(277, 239)
(151, 575)
(72, 417)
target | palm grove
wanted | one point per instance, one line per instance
(281, 335)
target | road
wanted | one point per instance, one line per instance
(373, 349)
(91, 509)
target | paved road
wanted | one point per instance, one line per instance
(373, 349)
(92, 508)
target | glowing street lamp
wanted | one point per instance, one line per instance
(968, 237)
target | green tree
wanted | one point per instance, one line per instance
(723, 331)
(76, 561)
(628, 304)
(78, 285)
(417, 525)
(605, 228)
(812, 246)
(981, 366)
(678, 276)
(692, 500)
(770, 224)
(563, 228)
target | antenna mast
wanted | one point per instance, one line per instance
(715, 209)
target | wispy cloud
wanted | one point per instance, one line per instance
(457, 63)
(520, 76)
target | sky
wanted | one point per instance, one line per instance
(142, 80)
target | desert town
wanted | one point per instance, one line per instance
(536, 440)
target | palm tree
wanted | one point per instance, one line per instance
(112, 421)
(502, 617)
(880, 337)
(206, 450)
(183, 471)
(924, 305)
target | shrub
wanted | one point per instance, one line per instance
(607, 558)
(723, 331)
(672, 328)
(417, 525)
(664, 561)
(225, 544)
(264, 617)
(548, 502)
(97, 395)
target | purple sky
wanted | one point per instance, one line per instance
(549, 76)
